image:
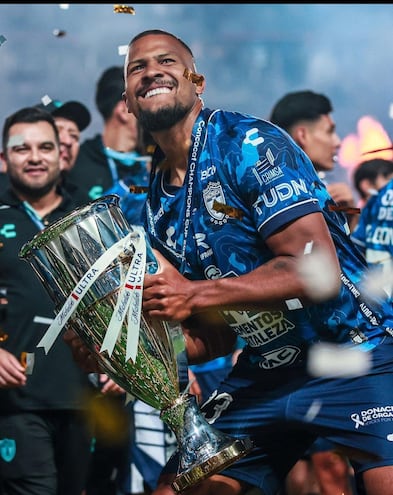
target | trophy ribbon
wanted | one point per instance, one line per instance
(79, 291)
(129, 298)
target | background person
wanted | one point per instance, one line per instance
(261, 281)
(115, 159)
(307, 117)
(44, 433)
(72, 118)
(374, 231)
(369, 176)
(154, 83)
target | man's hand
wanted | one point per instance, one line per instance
(167, 294)
(82, 355)
(12, 373)
(110, 387)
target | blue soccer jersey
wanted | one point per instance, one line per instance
(246, 179)
(374, 233)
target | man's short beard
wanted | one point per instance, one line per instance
(31, 192)
(163, 119)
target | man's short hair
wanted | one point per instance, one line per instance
(299, 105)
(70, 110)
(161, 32)
(109, 90)
(371, 170)
(28, 115)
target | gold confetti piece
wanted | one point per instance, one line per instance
(193, 77)
(3, 336)
(231, 211)
(23, 359)
(3, 39)
(108, 417)
(346, 209)
(150, 149)
(123, 9)
(138, 189)
(59, 33)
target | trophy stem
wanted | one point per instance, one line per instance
(202, 449)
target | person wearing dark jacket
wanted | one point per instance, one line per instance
(113, 161)
(44, 434)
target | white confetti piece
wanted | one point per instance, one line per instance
(318, 274)
(332, 360)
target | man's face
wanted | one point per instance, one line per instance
(69, 142)
(321, 142)
(156, 90)
(32, 158)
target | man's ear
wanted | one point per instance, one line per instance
(299, 134)
(3, 163)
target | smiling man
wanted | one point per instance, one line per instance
(44, 437)
(234, 209)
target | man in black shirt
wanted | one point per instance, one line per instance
(44, 439)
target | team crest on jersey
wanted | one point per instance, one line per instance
(213, 192)
(7, 449)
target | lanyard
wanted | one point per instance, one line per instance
(366, 310)
(37, 220)
(197, 142)
(128, 159)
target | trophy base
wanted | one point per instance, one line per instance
(219, 461)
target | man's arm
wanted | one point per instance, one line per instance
(170, 296)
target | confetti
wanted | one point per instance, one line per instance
(138, 189)
(15, 140)
(123, 9)
(193, 77)
(109, 418)
(59, 33)
(3, 39)
(231, 211)
(332, 360)
(27, 361)
(379, 278)
(293, 304)
(345, 209)
(122, 49)
(45, 100)
(313, 411)
(318, 274)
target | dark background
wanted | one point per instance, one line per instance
(250, 54)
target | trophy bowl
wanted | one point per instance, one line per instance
(92, 263)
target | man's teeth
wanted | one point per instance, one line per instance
(157, 91)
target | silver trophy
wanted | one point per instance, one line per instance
(92, 264)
